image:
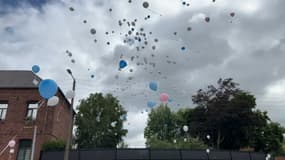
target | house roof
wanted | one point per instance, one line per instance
(17, 79)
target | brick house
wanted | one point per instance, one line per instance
(20, 113)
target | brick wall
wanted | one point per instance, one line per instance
(51, 121)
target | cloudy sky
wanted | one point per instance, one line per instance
(178, 49)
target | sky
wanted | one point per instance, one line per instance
(179, 49)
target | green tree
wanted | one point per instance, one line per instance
(270, 138)
(99, 122)
(228, 114)
(160, 125)
(164, 130)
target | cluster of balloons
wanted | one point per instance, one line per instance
(12, 144)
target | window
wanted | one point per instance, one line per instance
(25, 148)
(3, 110)
(32, 111)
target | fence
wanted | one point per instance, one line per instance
(151, 154)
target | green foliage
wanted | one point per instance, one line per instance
(229, 115)
(270, 138)
(99, 122)
(122, 144)
(226, 113)
(161, 124)
(179, 143)
(54, 145)
(164, 130)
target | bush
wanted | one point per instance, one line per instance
(54, 145)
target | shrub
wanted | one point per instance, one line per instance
(54, 145)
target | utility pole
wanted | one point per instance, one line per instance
(34, 142)
(70, 125)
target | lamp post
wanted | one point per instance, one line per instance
(70, 124)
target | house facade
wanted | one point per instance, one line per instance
(25, 115)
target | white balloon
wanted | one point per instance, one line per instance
(185, 128)
(53, 101)
(208, 137)
(12, 150)
(185, 139)
(70, 94)
(12, 143)
(113, 124)
(208, 151)
(35, 82)
(174, 141)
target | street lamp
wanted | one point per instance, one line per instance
(70, 125)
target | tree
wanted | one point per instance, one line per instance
(161, 125)
(228, 114)
(270, 138)
(164, 130)
(99, 122)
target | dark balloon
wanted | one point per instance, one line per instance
(93, 31)
(71, 8)
(145, 4)
(232, 14)
(84, 21)
(207, 19)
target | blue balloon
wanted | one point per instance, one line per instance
(122, 64)
(35, 68)
(153, 86)
(170, 100)
(48, 88)
(151, 104)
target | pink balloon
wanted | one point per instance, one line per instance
(12, 143)
(164, 97)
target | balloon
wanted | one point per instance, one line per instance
(185, 128)
(151, 104)
(53, 101)
(48, 88)
(164, 97)
(208, 151)
(145, 4)
(12, 143)
(207, 19)
(185, 139)
(35, 68)
(174, 141)
(12, 150)
(122, 64)
(170, 99)
(232, 14)
(153, 86)
(35, 82)
(70, 94)
(93, 31)
(113, 124)
(208, 136)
